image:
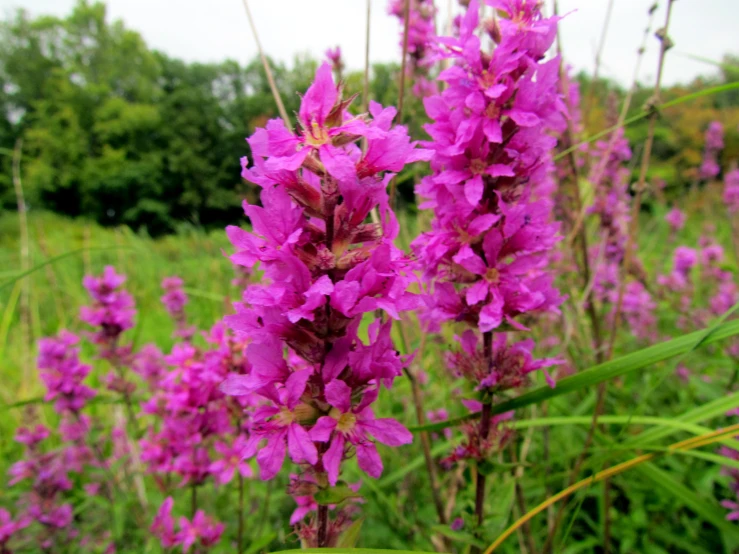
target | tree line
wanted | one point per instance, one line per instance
(124, 134)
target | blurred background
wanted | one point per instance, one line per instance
(134, 112)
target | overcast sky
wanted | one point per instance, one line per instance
(212, 30)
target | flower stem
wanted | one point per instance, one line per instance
(322, 525)
(487, 346)
(641, 183)
(480, 492)
(421, 419)
(193, 499)
(267, 70)
(401, 85)
(240, 532)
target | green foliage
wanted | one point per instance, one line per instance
(127, 135)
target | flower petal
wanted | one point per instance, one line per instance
(300, 446)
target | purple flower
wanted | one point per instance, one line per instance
(676, 219)
(112, 310)
(280, 425)
(8, 528)
(201, 530)
(325, 269)
(232, 461)
(355, 424)
(163, 525)
(731, 191)
(174, 301)
(62, 373)
(421, 37)
(714, 144)
(485, 258)
(333, 55)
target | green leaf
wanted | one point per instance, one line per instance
(260, 543)
(459, 536)
(335, 495)
(58, 258)
(665, 426)
(349, 538)
(716, 408)
(413, 465)
(704, 509)
(642, 115)
(603, 372)
(488, 467)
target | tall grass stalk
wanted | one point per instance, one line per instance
(267, 69)
(25, 258)
(665, 44)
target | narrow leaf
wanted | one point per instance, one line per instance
(603, 372)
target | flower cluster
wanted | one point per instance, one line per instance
(45, 503)
(201, 531)
(610, 179)
(8, 528)
(63, 374)
(174, 300)
(45, 506)
(112, 310)
(325, 267)
(731, 191)
(198, 431)
(676, 218)
(485, 257)
(421, 35)
(710, 167)
(333, 55)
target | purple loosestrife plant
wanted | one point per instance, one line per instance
(421, 35)
(333, 55)
(174, 300)
(112, 313)
(325, 268)
(202, 532)
(8, 528)
(610, 179)
(485, 258)
(676, 218)
(731, 192)
(198, 429)
(714, 143)
(52, 474)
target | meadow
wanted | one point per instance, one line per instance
(606, 423)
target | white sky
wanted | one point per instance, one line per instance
(213, 30)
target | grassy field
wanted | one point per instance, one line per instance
(670, 505)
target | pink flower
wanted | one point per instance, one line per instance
(113, 308)
(163, 525)
(232, 460)
(281, 427)
(355, 425)
(201, 530)
(62, 373)
(731, 191)
(676, 219)
(325, 269)
(8, 528)
(714, 144)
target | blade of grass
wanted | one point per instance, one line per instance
(55, 259)
(639, 461)
(605, 371)
(633, 119)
